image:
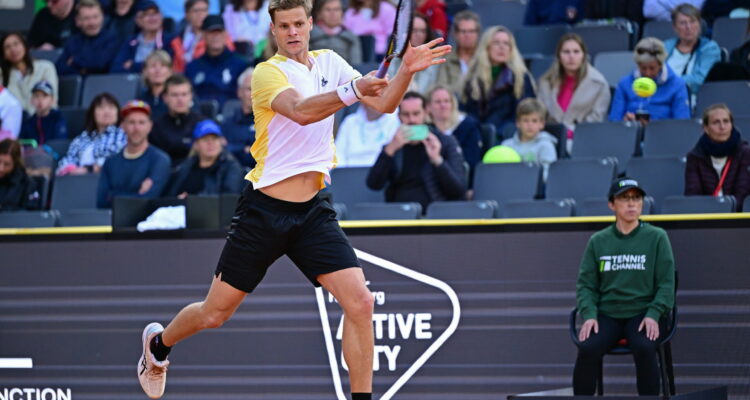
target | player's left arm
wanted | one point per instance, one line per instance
(415, 59)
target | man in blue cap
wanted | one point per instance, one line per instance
(211, 170)
(134, 51)
(91, 49)
(214, 75)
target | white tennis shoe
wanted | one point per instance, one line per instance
(152, 374)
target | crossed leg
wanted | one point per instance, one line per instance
(348, 286)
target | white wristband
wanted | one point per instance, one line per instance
(346, 94)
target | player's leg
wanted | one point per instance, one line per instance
(348, 286)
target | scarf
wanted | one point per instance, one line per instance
(720, 149)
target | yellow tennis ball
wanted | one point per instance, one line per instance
(644, 87)
(501, 154)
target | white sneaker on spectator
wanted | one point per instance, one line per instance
(152, 374)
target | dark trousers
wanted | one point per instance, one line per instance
(591, 352)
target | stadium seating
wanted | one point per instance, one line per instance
(17, 19)
(209, 108)
(599, 38)
(540, 65)
(742, 124)
(50, 55)
(746, 204)
(614, 65)
(371, 211)
(70, 87)
(659, 177)
(671, 137)
(730, 33)
(461, 209)
(539, 40)
(538, 208)
(73, 192)
(732, 93)
(28, 219)
(580, 179)
(503, 182)
(509, 13)
(353, 184)
(230, 107)
(661, 30)
(42, 185)
(123, 86)
(59, 146)
(698, 204)
(87, 217)
(75, 117)
(489, 136)
(606, 139)
(599, 206)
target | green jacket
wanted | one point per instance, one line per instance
(623, 276)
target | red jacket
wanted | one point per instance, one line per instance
(435, 12)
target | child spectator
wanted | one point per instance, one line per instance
(211, 170)
(140, 170)
(531, 141)
(100, 139)
(46, 123)
(17, 190)
(20, 71)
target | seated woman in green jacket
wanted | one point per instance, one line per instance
(625, 286)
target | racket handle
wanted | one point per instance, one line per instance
(383, 68)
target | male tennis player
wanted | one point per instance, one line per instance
(295, 94)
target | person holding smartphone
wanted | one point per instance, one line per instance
(419, 165)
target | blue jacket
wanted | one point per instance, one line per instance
(83, 55)
(706, 55)
(239, 129)
(128, 49)
(545, 12)
(669, 102)
(216, 77)
(123, 177)
(44, 129)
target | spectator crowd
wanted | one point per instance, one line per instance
(165, 142)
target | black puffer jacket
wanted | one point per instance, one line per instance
(18, 192)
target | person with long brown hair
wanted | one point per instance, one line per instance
(572, 90)
(17, 190)
(20, 71)
(497, 79)
(371, 17)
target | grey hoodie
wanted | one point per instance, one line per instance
(540, 150)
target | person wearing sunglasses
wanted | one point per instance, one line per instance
(670, 101)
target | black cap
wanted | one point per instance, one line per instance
(144, 5)
(213, 23)
(622, 185)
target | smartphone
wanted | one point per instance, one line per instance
(416, 132)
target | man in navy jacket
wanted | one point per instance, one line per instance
(214, 75)
(91, 50)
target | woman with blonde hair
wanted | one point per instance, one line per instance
(572, 90)
(442, 108)
(497, 79)
(156, 70)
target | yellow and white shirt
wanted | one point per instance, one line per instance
(282, 147)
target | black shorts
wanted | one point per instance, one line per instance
(264, 228)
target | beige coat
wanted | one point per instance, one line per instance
(20, 86)
(590, 100)
(449, 73)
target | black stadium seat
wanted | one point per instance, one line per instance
(606, 139)
(698, 204)
(371, 211)
(503, 182)
(671, 137)
(71, 192)
(86, 217)
(509, 13)
(604, 38)
(538, 208)
(28, 219)
(75, 118)
(661, 30)
(350, 187)
(730, 33)
(461, 209)
(659, 177)
(580, 179)
(732, 93)
(539, 39)
(614, 65)
(123, 86)
(70, 87)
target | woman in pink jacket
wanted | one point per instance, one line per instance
(371, 17)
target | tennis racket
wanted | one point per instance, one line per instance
(400, 36)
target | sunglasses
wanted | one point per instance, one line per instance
(653, 52)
